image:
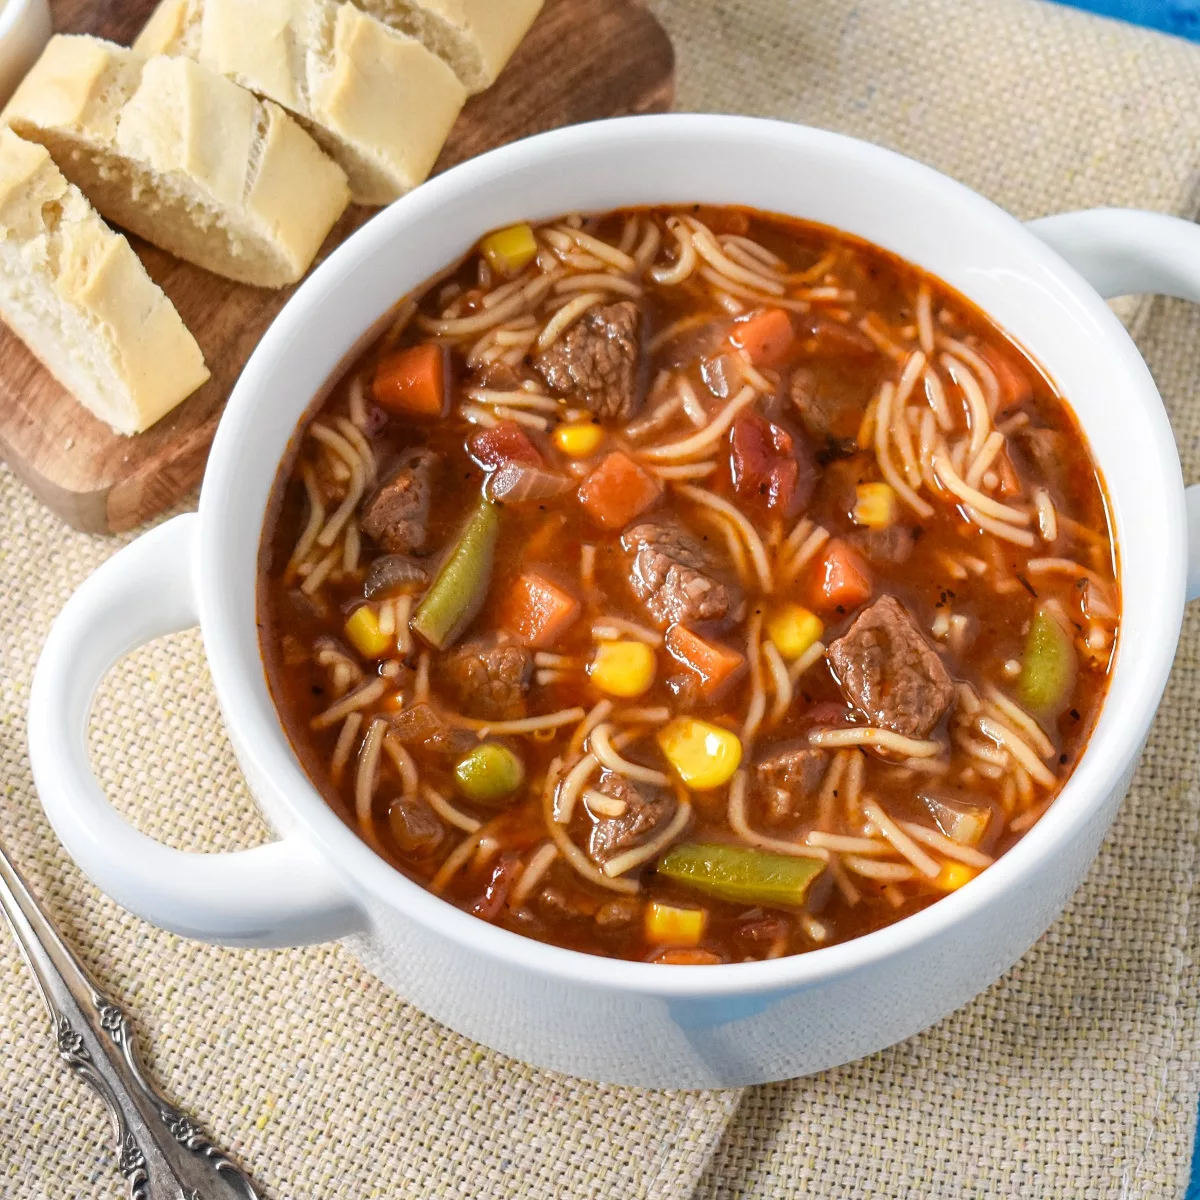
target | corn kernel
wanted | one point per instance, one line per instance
(508, 250)
(667, 925)
(362, 628)
(793, 629)
(876, 506)
(580, 440)
(703, 755)
(624, 669)
(953, 875)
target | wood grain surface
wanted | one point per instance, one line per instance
(582, 60)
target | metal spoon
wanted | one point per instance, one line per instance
(160, 1151)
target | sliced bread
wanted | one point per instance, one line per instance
(76, 294)
(476, 37)
(183, 157)
(376, 100)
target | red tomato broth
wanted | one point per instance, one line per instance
(545, 539)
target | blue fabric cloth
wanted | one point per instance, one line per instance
(1181, 17)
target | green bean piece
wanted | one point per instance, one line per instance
(489, 774)
(741, 874)
(1049, 666)
(457, 594)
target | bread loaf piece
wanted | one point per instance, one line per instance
(80, 299)
(476, 37)
(182, 157)
(376, 100)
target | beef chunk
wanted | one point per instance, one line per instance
(423, 726)
(415, 826)
(489, 678)
(887, 669)
(597, 361)
(787, 777)
(500, 376)
(829, 416)
(646, 808)
(794, 768)
(671, 574)
(397, 516)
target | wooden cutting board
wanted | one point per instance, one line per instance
(582, 60)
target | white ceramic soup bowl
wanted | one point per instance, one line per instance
(637, 1023)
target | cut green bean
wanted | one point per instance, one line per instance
(740, 874)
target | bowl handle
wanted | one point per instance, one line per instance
(278, 894)
(1126, 252)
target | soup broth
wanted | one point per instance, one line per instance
(689, 585)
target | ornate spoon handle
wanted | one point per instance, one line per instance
(161, 1153)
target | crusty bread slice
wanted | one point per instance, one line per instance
(378, 101)
(476, 37)
(80, 299)
(182, 157)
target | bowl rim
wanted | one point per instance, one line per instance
(1134, 690)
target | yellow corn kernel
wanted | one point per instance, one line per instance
(793, 629)
(876, 505)
(667, 925)
(953, 875)
(362, 628)
(703, 755)
(579, 440)
(624, 669)
(508, 250)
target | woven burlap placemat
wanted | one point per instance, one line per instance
(1075, 1075)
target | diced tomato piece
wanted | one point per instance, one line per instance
(538, 611)
(723, 219)
(766, 336)
(618, 490)
(414, 382)
(768, 466)
(842, 580)
(714, 664)
(503, 443)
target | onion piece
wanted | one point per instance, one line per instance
(394, 575)
(516, 481)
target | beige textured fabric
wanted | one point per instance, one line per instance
(1076, 1075)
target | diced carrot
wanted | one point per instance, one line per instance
(713, 663)
(842, 579)
(414, 382)
(766, 336)
(617, 490)
(538, 611)
(1015, 388)
(505, 442)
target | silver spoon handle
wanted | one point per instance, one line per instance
(161, 1153)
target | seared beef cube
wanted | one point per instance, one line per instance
(671, 575)
(597, 362)
(646, 808)
(423, 726)
(397, 516)
(415, 826)
(794, 768)
(889, 671)
(489, 678)
(787, 777)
